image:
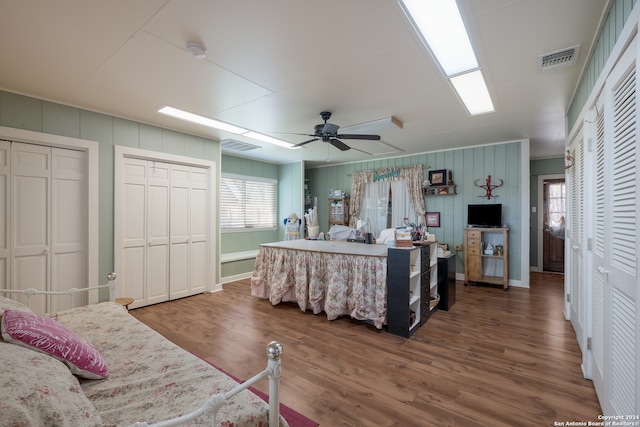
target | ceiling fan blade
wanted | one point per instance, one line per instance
(339, 144)
(304, 142)
(359, 136)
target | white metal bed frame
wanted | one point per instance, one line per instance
(215, 402)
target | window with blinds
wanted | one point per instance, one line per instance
(247, 202)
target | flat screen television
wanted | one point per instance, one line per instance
(488, 216)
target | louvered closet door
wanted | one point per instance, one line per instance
(577, 246)
(618, 387)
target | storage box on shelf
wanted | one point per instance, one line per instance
(439, 190)
(338, 211)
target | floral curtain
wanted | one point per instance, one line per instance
(413, 175)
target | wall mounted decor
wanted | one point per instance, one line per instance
(488, 187)
(438, 177)
(432, 219)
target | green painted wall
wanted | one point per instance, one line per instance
(537, 168)
(501, 161)
(32, 114)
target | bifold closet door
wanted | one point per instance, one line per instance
(48, 223)
(188, 228)
(200, 253)
(165, 244)
(5, 190)
(145, 216)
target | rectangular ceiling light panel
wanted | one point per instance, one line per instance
(473, 91)
(441, 28)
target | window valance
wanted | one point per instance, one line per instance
(413, 175)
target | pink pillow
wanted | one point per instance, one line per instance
(48, 336)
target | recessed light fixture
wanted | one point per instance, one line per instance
(216, 124)
(440, 26)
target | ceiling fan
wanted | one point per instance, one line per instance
(328, 132)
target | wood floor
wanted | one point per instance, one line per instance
(495, 359)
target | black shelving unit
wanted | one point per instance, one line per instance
(408, 289)
(447, 281)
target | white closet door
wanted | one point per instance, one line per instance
(68, 216)
(180, 241)
(158, 233)
(619, 387)
(162, 232)
(200, 255)
(31, 221)
(5, 174)
(133, 232)
(578, 248)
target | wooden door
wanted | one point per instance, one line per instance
(553, 234)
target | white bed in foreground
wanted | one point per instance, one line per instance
(150, 380)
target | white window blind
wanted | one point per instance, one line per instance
(247, 202)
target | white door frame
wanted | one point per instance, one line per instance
(120, 152)
(91, 149)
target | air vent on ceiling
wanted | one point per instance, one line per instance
(232, 144)
(558, 60)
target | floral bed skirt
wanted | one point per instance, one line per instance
(338, 284)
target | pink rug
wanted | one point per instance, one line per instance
(294, 418)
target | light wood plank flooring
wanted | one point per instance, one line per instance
(495, 359)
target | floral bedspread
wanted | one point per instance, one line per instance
(150, 378)
(338, 284)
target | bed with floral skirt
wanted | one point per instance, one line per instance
(109, 369)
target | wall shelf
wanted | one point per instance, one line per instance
(439, 190)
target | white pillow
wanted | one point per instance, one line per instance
(38, 390)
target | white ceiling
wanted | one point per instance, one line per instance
(272, 66)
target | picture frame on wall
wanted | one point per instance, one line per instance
(432, 219)
(438, 177)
